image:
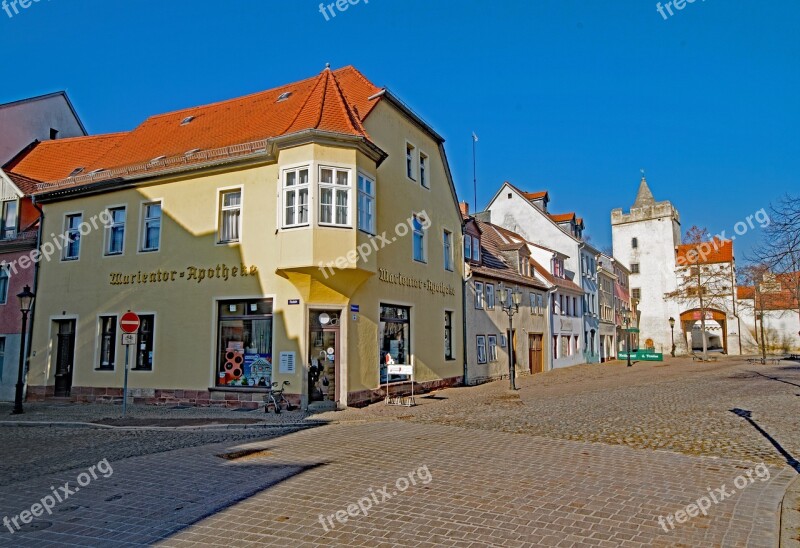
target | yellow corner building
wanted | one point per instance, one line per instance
(309, 234)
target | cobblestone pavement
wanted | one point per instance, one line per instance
(486, 489)
(567, 461)
(678, 405)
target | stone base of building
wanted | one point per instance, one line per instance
(231, 399)
(215, 397)
(363, 398)
(475, 381)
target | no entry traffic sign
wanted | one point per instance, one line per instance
(129, 322)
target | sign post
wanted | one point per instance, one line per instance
(129, 324)
(400, 370)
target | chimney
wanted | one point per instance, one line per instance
(464, 207)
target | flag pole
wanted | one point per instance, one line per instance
(474, 174)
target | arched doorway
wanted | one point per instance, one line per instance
(716, 332)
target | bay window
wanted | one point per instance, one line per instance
(295, 197)
(366, 204)
(334, 196)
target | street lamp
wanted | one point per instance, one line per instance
(672, 328)
(510, 300)
(25, 304)
(627, 321)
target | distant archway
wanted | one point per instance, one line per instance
(716, 333)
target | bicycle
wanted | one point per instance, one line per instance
(276, 398)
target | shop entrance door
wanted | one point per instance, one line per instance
(536, 358)
(323, 358)
(65, 352)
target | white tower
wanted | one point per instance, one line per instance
(644, 240)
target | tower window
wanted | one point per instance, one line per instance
(635, 243)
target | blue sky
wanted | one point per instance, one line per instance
(569, 96)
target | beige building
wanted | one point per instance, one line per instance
(497, 258)
(308, 234)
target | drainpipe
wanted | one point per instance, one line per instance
(464, 311)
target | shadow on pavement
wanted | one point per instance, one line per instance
(747, 415)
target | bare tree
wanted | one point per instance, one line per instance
(704, 281)
(779, 248)
(753, 276)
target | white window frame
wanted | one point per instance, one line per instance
(491, 348)
(5, 273)
(467, 247)
(68, 231)
(476, 247)
(411, 160)
(296, 188)
(335, 189)
(422, 233)
(490, 296)
(447, 249)
(480, 302)
(109, 228)
(144, 220)
(13, 230)
(366, 199)
(424, 166)
(480, 346)
(99, 347)
(222, 208)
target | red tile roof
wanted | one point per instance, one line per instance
(26, 185)
(534, 195)
(715, 251)
(562, 217)
(494, 240)
(54, 160)
(785, 299)
(334, 101)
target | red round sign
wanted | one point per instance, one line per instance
(129, 322)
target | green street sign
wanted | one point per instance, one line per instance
(642, 356)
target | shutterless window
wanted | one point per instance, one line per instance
(635, 243)
(230, 215)
(8, 224)
(334, 196)
(151, 227)
(447, 243)
(467, 247)
(492, 341)
(115, 233)
(476, 249)
(636, 293)
(423, 170)
(295, 197)
(479, 295)
(634, 268)
(418, 241)
(4, 276)
(481, 347)
(394, 338)
(2, 355)
(144, 343)
(410, 152)
(108, 338)
(72, 231)
(490, 296)
(448, 335)
(366, 204)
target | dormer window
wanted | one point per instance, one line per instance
(476, 249)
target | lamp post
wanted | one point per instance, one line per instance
(628, 335)
(672, 329)
(25, 304)
(510, 300)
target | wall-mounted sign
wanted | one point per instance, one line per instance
(409, 281)
(287, 362)
(221, 272)
(354, 308)
(294, 301)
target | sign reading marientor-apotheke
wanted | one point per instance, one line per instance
(409, 281)
(193, 274)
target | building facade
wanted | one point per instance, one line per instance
(606, 282)
(497, 258)
(319, 256)
(24, 124)
(526, 213)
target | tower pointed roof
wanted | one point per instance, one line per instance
(644, 197)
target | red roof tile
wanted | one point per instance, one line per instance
(335, 101)
(562, 217)
(25, 184)
(715, 251)
(534, 195)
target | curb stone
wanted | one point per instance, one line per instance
(203, 428)
(790, 516)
